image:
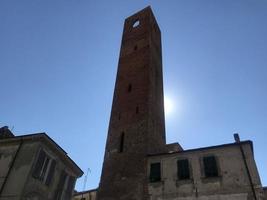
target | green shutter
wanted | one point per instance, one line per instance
(210, 166)
(60, 185)
(70, 186)
(51, 172)
(39, 164)
(155, 172)
(183, 169)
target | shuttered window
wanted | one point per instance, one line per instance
(44, 168)
(60, 186)
(39, 164)
(70, 186)
(210, 166)
(51, 173)
(155, 172)
(183, 169)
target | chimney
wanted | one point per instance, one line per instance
(237, 138)
(5, 133)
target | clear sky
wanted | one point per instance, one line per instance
(58, 62)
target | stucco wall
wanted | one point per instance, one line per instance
(90, 195)
(7, 153)
(16, 179)
(232, 182)
(20, 183)
(35, 188)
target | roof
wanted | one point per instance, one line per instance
(5, 133)
(40, 136)
(84, 192)
(206, 148)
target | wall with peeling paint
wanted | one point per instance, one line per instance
(17, 162)
(231, 184)
(87, 195)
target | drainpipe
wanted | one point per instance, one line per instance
(11, 166)
(237, 139)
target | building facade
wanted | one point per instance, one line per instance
(138, 164)
(219, 172)
(34, 167)
(85, 195)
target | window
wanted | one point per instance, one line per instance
(137, 110)
(44, 168)
(121, 142)
(183, 169)
(70, 186)
(135, 47)
(51, 172)
(136, 23)
(65, 186)
(129, 87)
(210, 166)
(155, 172)
(61, 186)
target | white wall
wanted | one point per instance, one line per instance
(232, 182)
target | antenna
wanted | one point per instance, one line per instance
(85, 180)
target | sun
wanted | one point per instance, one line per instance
(168, 105)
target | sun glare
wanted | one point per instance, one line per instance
(168, 106)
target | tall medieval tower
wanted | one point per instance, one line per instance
(136, 126)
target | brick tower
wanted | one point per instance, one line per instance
(136, 126)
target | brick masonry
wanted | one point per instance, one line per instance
(137, 126)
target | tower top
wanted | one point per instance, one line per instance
(144, 17)
(147, 11)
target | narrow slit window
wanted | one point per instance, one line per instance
(137, 110)
(129, 87)
(210, 166)
(155, 172)
(121, 142)
(135, 47)
(183, 169)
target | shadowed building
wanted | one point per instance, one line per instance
(34, 167)
(225, 171)
(138, 165)
(136, 125)
(85, 195)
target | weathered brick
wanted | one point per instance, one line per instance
(137, 111)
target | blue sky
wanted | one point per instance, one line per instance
(58, 62)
